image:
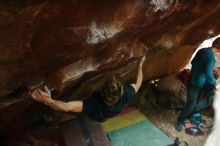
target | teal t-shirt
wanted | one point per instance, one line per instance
(202, 68)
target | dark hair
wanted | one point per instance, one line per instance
(216, 43)
(113, 88)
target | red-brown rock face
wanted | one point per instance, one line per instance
(72, 45)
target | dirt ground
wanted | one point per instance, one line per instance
(165, 120)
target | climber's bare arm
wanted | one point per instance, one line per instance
(139, 77)
(45, 98)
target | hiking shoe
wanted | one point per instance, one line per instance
(179, 126)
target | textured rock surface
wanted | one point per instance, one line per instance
(72, 45)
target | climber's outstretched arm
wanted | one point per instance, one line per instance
(139, 77)
(45, 98)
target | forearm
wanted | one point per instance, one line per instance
(73, 106)
(139, 78)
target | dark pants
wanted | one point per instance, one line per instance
(194, 103)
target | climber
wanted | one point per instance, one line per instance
(113, 98)
(201, 79)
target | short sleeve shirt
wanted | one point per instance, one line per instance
(97, 110)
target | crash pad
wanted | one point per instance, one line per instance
(123, 120)
(134, 129)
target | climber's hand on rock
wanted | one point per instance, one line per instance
(143, 58)
(47, 91)
(41, 96)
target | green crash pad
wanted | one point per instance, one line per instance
(139, 132)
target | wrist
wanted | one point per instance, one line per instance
(49, 101)
(140, 66)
